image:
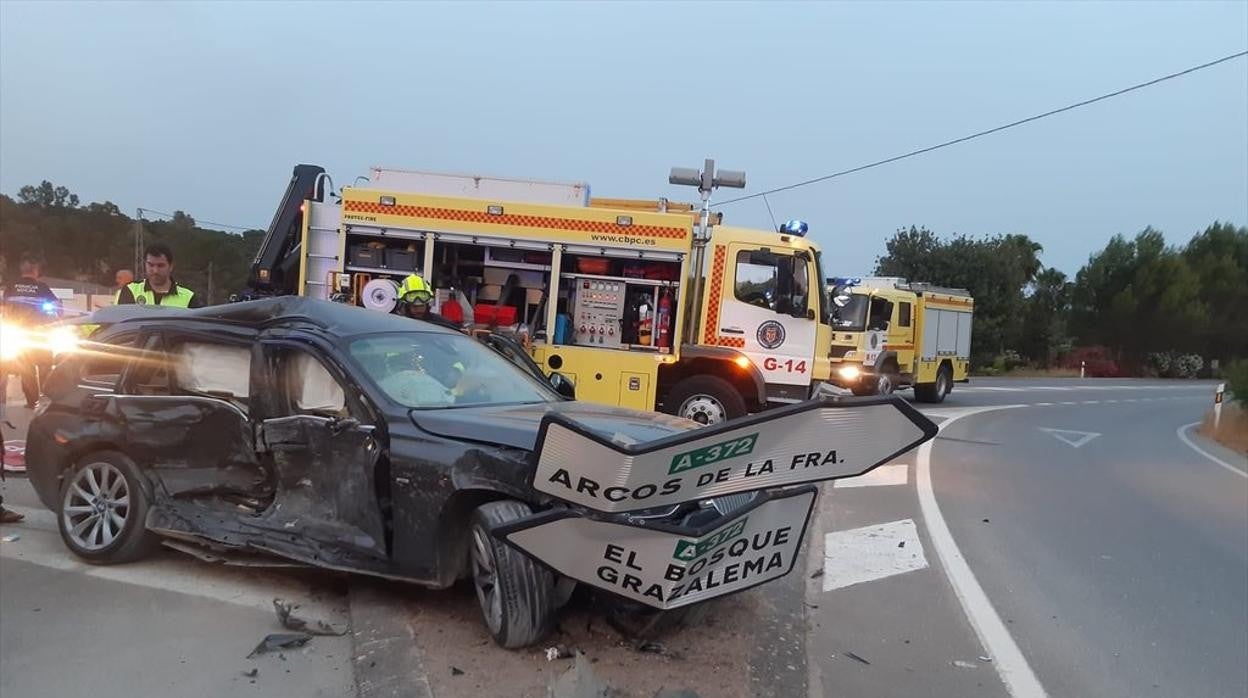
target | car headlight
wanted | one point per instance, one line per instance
(62, 340)
(849, 373)
(13, 340)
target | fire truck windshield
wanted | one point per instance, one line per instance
(849, 311)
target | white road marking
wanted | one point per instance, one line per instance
(1070, 437)
(40, 544)
(1008, 659)
(870, 553)
(1091, 402)
(1069, 403)
(883, 475)
(1182, 432)
(1044, 404)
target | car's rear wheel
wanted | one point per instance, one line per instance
(103, 508)
(517, 595)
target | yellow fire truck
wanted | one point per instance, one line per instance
(630, 300)
(889, 334)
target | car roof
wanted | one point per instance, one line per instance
(338, 319)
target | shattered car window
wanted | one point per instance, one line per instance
(213, 368)
(312, 387)
(436, 371)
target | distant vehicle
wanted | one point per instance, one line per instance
(889, 334)
(360, 441)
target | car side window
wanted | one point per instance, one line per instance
(212, 370)
(310, 387)
(904, 314)
(103, 367)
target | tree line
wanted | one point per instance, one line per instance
(1138, 307)
(90, 243)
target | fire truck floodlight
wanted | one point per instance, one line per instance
(733, 179)
(687, 176)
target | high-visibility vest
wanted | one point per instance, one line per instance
(178, 297)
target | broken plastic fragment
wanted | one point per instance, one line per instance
(280, 641)
(285, 614)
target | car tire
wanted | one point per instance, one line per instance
(705, 399)
(102, 510)
(516, 594)
(936, 392)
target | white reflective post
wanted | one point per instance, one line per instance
(1217, 404)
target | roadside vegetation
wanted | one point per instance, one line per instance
(1139, 307)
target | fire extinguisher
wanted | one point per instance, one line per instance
(663, 318)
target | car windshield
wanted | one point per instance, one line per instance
(851, 316)
(426, 370)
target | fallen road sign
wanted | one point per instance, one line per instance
(807, 442)
(666, 566)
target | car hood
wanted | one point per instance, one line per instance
(517, 425)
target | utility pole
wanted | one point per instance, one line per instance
(138, 244)
(706, 181)
(211, 300)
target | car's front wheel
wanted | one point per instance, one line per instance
(103, 508)
(517, 595)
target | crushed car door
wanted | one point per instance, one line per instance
(324, 455)
(183, 407)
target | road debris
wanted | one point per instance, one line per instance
(985, 520)
(285, 614)
(11, 538)
(985, 659)
(559, 652)
(653, 647)
(456, 671)
(817, 574)
(856, 658)
(280, 641)
(579, 682)
(964, 665)
(251, 673)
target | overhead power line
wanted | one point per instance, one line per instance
(200, 220)
(980, 134)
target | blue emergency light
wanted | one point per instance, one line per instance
(49, 307)
(795, 227)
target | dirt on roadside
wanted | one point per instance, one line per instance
(1232, 430)
(709, 658)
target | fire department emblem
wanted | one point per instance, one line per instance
(140, 300)
(770, 334)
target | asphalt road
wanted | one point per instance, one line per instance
(1057, 538)
(1071, 544)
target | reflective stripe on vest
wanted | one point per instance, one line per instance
(180, 298)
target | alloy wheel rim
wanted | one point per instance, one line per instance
(96, 506)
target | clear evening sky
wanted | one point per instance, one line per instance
(206, 107)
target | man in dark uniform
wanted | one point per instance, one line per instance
(159, 288)
(28, 302)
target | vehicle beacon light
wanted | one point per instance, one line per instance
(742, 361)
(795, 227)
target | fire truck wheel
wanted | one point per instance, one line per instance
(705, 399)
(936, 392)
(886, 382)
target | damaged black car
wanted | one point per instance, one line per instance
(335, 437)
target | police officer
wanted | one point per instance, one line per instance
(414, 298)
(159, 288)
(30, 302)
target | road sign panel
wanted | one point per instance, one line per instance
(669, 567)
(808, 442)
